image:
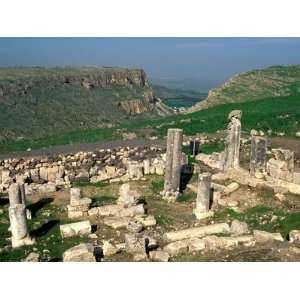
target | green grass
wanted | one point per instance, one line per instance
(281, 114)
(157, 186)
(187, 196)
(162, 220)
(45, 226)
(212, 147)
(260, 217)
(92, 184)
(103, 200)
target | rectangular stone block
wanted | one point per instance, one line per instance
(75, 229)
(197, 232)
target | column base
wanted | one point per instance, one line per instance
(170, 196)
(200, 215)
(26, 241)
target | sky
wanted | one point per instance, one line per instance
(199, 59)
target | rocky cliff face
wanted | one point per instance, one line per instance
(277, 81)
(37, 102)
(20, 81)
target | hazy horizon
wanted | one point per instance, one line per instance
(194, 62)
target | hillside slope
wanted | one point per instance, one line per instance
(38, 102)
(272, 82)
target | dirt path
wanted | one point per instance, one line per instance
(69, 149)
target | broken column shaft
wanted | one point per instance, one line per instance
(173, 162)
(17, 217)
(232, 143)
(258, 155)
(203, 196)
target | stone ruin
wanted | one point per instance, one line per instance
(129, 212)
(47, 174)
(173, 163)
(18, 216)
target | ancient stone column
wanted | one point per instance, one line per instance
(18, 226)
(173, 162)
(258, 155)
(14, 194)
(203, 197)
(232, 143)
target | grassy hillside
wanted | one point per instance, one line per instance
(42, 102)
(273, 82)
(282, 115)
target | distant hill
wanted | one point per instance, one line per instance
(272, 82)
(38, 102)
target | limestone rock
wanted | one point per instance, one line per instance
(265, 237)
(80, 253)
(74, 229)
(232, 187)
(134, 226)
(238, 228)
(177, 247)
(128, 197)
(159, 255)
(32, 257)
(146, 221)
(197, 232)
(135, 244)
(109, 249)
(116, 222)
(294, 236)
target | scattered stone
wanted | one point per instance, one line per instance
(232, 187)
(32, 257)
(146, 221)
(128, 197)
(265, 237)
(135, 244)
(109, 249)
(238, 228)
(134, 226)
(75, 229)
(117, 222)
(159, 255)
(196, 232)
(294, 236)
(177, 247)
(80, 253)
(280, 197)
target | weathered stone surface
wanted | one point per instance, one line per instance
(294, 236)
(196, 244)
(177, 247)
(117, 210)
(159, 255)
(18, 222)
(213, 242)
(80, 253)
(146, 221)
(32, 257)
(232, 142)
(282, 165)
(75, 196)
(203, 196)
(197, 232)
(135, 170)
(134, 226)
(135, 244)
(14, 194)
(265, 237)
(173, 161)
(127, 196)
(230, 188)
(109, 249)
(74, 229)
(238, 228)
(116, 222)
(258, 155)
